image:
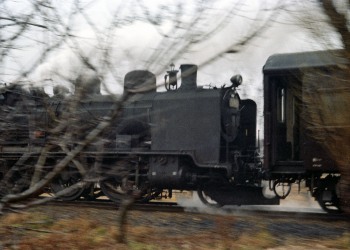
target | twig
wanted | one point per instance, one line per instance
(35, 230)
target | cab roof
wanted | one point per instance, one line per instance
(295, 61)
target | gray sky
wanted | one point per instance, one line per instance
(133, 43)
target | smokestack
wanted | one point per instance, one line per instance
(188, 76)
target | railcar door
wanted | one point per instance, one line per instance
(282, 123)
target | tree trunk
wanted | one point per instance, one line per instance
(125, 205)
(127, 202)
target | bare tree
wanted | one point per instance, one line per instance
(328, 106)
(56, 131)
(49, 140)
(48, 137)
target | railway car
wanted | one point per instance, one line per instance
(297, 86)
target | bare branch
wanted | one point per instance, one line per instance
(16, 22)
(338, 21)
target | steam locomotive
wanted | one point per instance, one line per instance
(187, 138)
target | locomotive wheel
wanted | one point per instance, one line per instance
(17, 183)
(91, 192)
(150, 194)
(202, 194)
(282, 189)
(15, 180)
(67, 179)
(328, 201)
(116, 188)
(113, 189)
(2, 173)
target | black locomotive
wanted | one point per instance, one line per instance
(187, 138)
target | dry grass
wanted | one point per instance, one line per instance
(37, 230)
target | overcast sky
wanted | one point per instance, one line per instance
(135, 40)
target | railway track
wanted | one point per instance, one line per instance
(173, 207)
(108, 205)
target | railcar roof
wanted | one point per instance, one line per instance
(312, 59)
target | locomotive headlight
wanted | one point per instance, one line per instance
(236, 80)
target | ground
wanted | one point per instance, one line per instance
(58, 227)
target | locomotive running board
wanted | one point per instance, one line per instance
(241, 195)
